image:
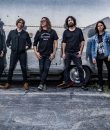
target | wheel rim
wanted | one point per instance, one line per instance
(74, 75)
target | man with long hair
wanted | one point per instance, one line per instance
(101, 51)
(72, 47)
(19, 42)
(45, 46)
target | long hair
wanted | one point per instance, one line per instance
(96, 27)
(66, 21)
(48, 23)
(20, 19)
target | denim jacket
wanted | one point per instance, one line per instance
(106, 44)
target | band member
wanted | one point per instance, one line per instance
(72, 47)
(101, 51)
(45, 46)
(2, 50)
(19, 42)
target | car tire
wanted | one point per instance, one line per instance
(74, 75)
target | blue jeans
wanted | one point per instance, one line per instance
(78, 62)
(44, 65)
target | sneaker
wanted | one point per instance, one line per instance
(41, 87)
(26, 86)
(61, 84)
(2, 87)
(7, 86)
(100, 88)
(68, 85)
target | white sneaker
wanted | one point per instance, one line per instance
(100, 88)
(41, 86)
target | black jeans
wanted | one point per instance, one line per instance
(44, 65)
(78, 62)
(2, 65)
(100, 69)
(14, 58)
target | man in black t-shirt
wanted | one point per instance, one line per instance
(45, 46)
(72, 46)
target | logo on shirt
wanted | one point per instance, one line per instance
(45, 36)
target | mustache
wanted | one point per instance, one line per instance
(71, 24)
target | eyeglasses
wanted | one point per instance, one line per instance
(42, 21)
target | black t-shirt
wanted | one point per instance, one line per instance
(45, 39)
(73, 40)
(100, 50)
(19, 33)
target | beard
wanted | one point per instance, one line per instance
(70, 24)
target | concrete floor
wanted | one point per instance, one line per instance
(54, 109)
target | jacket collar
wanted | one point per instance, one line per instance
(17, 31)
(102, 33)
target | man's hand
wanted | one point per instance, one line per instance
(26, 47)
(94, 61)
(38, 55)
(64, 56)
(52, 56)
(2, 53)
(9, 47)
(109, 58)
(79, 54)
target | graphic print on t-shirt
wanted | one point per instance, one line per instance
(100, 48)
(45, 36)
(45, 40)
